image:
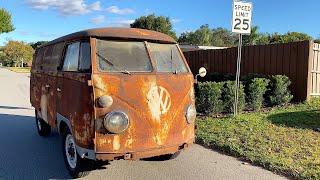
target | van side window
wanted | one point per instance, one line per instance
(72, 57)
(38, 61)
(56, 55)
(47, 62)
(85, 57)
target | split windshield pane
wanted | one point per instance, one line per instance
(118, 56)
(168, 58)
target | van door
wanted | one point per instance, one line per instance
(74, 95)
(48, 83)
(48, 80)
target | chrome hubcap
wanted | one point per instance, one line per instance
(71, 152)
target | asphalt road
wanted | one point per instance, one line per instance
(25, 155)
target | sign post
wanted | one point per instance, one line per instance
(241, 24)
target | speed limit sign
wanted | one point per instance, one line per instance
(242, 14)
(241, 24)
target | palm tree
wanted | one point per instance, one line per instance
(253, 37)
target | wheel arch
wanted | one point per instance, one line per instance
(63, 123)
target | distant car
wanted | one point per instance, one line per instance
(114, 93)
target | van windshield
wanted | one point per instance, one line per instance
(167, 57)
(126, 57)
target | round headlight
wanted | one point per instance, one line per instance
(191, 114)
(116, 122)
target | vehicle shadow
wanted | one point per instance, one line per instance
(300, 120)
(26, 155)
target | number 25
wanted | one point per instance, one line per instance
(245, 22)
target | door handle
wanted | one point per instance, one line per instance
(58, 89)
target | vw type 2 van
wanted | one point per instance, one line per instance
(113, 93)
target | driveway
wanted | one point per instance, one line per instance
(25, 155)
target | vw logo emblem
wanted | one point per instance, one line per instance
(159, 100)
(165, 100)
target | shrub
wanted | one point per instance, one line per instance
(315, 102)
(247, 79)
(209, 98)
(228, 96)
(279, 90)
(256, 90)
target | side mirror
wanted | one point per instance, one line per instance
(202, 73)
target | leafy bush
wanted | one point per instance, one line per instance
(279, 90)
(228, 95)
(209, 98)
(315, 102)
(247, 79)
(256, 90)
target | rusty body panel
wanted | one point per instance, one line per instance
(151, 125)
(75, 103)
(155, 103)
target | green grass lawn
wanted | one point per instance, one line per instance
(284, 140)
(19, 69)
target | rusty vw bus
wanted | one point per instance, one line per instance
(114, 93)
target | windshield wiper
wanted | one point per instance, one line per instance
(110, 63)
(126, 72)
(172, 64)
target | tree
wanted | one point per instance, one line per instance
(5, 21)
(222, 37)
(250, 39)
(201, 37)
(263, 39)
(38, 44)
(156, 23)
(17, 52)
(289, 37)
(317, 40)
(275, 38)
(186, 38)
(204, 36)
(295, 36)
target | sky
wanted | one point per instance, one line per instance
(37, 20)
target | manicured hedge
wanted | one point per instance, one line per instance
(228, 96)
(209, 100)
(279, 91)
(255, 92)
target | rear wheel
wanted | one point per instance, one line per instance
(74, 163)
(43, 128)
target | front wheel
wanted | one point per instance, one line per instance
(73, 161)
(43, 128)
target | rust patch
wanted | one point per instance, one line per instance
(155, 106)
(43, 106)
(116, 143)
